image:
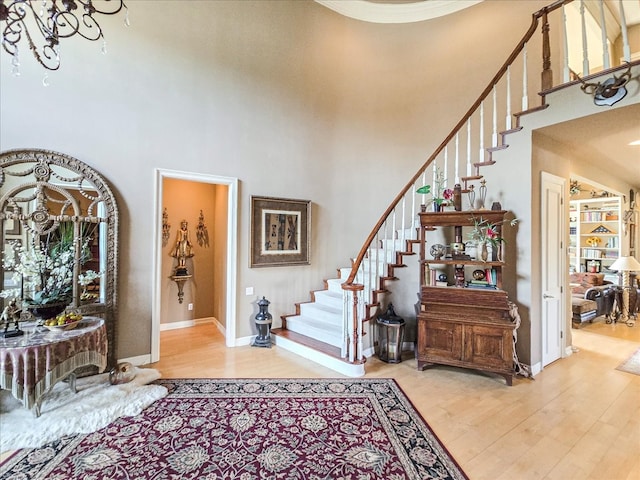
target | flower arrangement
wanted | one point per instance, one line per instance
(487, 233)
(44, 271)
(440, 195)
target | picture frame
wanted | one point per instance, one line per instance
(280, 231)
(593, 264)
(12, 226)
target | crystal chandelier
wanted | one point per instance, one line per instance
(44, 23)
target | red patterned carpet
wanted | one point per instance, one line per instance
(205, 429)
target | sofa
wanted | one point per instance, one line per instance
(591, 297)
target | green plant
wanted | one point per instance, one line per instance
(440, 194)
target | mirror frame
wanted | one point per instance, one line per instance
(35, 166)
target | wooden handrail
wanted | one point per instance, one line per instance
(501, 72)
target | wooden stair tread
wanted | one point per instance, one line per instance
(531, 110)
(497, 148)
(308, 342)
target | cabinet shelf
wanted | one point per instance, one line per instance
(478, 263)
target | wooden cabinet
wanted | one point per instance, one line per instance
(459, 325)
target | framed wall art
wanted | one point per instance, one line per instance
(280, 231)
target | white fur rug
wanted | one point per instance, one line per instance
(96, 404)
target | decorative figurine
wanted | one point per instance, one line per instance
(183, 249)
(11, 313)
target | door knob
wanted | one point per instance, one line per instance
(544, 295)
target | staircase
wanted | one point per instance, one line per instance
(336, 327)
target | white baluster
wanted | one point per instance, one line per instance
(626, 50)
(494, 135)
(457, 159)
(605, 43)
(469, 147)
(446, 166)
(481, 150)
(525, 81)
(566, 75)
(404, 216)
(507, 122)
(413, 211)
(585, 48)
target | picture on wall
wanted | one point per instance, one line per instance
(280, 231)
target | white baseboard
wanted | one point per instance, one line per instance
(244, 341)
(536, 368)
(186, 323)
(137, 361)
(348, 369)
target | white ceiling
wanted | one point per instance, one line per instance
(603, 139)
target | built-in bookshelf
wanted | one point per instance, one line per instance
(595, 227)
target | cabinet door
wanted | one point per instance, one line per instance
(489, 346)
(439, 339)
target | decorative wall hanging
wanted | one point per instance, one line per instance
(280, 231)
(166, 228)
(611, 91)
(202, 234)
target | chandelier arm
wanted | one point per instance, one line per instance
(58, 22)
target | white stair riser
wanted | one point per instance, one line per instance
(331, 299)
(335, 285)
(320, 331)
(328, 315)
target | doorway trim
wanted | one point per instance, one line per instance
(232, 246)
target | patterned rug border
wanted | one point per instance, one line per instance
(631, 364)
(385, 394)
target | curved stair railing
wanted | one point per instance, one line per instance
(458, 159)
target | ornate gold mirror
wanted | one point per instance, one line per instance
(59, 230)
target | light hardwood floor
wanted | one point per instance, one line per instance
(579, 418)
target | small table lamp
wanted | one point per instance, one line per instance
(626, 265)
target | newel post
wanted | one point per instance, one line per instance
(353, 323)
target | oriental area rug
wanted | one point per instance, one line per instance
(215, 429)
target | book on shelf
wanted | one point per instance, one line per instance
(480, 286)
(441, 284)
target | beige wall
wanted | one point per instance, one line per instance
(287, 96)
(184, 200)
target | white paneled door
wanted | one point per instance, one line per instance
(553, 266)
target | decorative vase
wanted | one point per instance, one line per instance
(437, 207)
(484, 252)
(46, 310)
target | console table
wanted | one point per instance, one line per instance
(30, 365)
